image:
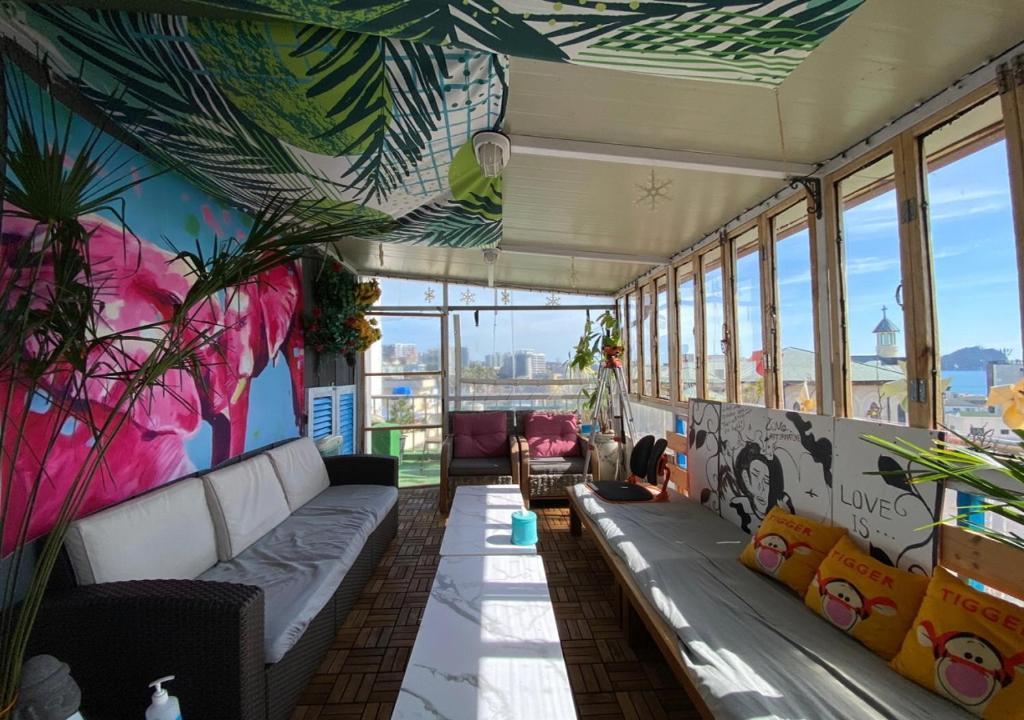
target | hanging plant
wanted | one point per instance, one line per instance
(339, 323)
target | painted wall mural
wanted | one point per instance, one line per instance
(252, 390)
(376, 129)
(753, 41)
(746, 460)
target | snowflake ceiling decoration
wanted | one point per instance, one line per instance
(651, 191)
(429, 295)
(553, 299)
(467, 297)
(506, 297)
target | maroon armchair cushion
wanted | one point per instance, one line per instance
(552, 435)
(479, 435)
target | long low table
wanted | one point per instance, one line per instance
(480, 522)
(488, 645)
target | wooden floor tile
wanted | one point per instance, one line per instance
(360, 676)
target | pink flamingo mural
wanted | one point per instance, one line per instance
(140, 283)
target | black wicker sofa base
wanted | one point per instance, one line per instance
(119, 636)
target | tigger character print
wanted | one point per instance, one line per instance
(843, 605)
(772, 550)
(968, 668)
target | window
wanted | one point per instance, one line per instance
(633, 343)
(647, 346)
(403, 395)
(749, 348)
(714, 323)
(794, 322)
(974, 259)
(686, 313)
(664, 381)
(873, 274)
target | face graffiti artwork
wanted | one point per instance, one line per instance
(843, 605)
(772, 550)
(968, 668)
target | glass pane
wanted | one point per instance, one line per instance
(470, 295)
(975, 264)
(664, 383)
(687, 339)
(873, 275)
(714, 317)
(409, 400)
(795, 320)
(517, 355)
(418, 451)
(407, 344)
(645, 333)
(633, 344)
(395, 292)
(750, 347)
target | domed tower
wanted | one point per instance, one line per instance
(886, 344)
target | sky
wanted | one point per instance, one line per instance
(973, 255)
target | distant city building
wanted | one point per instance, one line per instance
(1004, 373)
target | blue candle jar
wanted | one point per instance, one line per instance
(524, 527)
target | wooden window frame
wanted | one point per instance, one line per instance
(683, 272)
(633, 353)
(774, 367)
(735, 251)
(658, 283)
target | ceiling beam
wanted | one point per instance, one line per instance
(656, 157)
(568, 252)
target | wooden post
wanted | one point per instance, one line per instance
(1010, 80)
(728, 260)
(770, 348)
(924, 403)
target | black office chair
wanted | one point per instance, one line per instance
(645, 465)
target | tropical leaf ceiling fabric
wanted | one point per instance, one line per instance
(368, 107)
(368, 127)
(757, 41)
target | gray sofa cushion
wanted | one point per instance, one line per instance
(165, 534)
(301, 562)
(556, 466)
(480, 466)
(751, 645)
(301, 471)
(246, 501)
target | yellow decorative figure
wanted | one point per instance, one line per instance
(1011, 399)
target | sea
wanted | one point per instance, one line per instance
(967, 382)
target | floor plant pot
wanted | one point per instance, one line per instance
(609, 456)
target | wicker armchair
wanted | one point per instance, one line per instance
(548, 477)
(485, 466)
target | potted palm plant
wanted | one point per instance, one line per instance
(994, 474)
(58, 346)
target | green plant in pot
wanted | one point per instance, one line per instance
(58, 345)
(993, 474)
(601, 341)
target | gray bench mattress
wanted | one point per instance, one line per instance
(752, 647)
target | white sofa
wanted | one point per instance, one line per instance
(236, 581)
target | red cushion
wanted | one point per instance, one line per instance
(480, 435)
(552, 435)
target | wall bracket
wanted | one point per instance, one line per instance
(813, 187)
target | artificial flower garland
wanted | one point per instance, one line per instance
(339, 323)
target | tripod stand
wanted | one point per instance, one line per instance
(610, 379)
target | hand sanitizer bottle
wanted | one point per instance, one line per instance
(163, 706)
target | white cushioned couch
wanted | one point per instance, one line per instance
(236, 581)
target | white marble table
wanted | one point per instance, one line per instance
(480, 522)
(488, 646)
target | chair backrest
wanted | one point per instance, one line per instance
(480, 433)
(522, 415)
(550, 434)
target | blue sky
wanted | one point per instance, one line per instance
(974, 260)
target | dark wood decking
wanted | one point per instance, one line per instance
(361, 675)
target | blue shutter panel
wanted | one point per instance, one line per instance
(320, 425)
(346, 399)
